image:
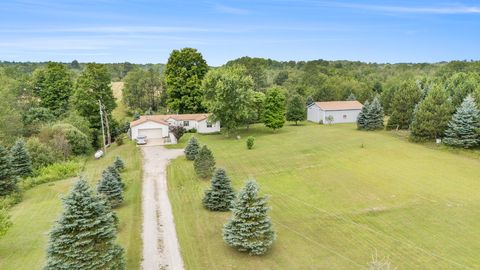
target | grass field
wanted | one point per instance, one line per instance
(335, 203)
(23, 247)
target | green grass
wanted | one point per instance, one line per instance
(23, 247)
(335, 203)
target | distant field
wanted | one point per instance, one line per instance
(23, 247)
(335, 203)
(120, 113)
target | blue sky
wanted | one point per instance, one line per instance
(145, 31)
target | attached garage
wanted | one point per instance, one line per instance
(151, 132)
(152, 128)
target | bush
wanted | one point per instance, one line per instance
(41, 154)
(177, 131)
(66, 139)
(119, 140)
(192, 130)
(250, 142)
(53, 172)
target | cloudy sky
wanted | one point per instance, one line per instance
(145, 31)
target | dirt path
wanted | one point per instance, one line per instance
(160, 245)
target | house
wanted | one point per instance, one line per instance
(334, 111)
(158, 126)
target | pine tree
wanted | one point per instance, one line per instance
(351, 97)
(192, 148)
(249, 229)
(115, 173)
(220, 195)
(111, 188)
(84, 236)
(374, 115)
(463, 128)
(361, 119)
(204, 163)
(432, 115)
(8, 182)
(274, 113)
(296, 110)
(119, 164)
(20, 159)
(404, 101)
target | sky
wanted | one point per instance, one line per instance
(146, 31)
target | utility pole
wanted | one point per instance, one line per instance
(103, 128)
(109, 137)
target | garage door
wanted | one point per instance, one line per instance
(153, 133)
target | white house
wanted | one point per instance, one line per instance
(334, 111)
(157, 126)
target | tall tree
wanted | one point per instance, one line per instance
(229, 96)
(374, 115)
(110, 187)
(54, 85)
(8, 182)
(204, 163)
(432, 115)
(84, 237)
(91, 86)
(184, 73)
(220, 195)
(274, 114)
(463, 128)
(249, 229)
(461, 84)
(20, 159)
(296, 110)
(362, 116)
(404, 101)
(143, 90)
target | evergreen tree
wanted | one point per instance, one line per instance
(204, 163)
(115, 173)
(84, 236)
(351, 97)
(119, 164)
(220, 195)
(432, 115)
(296, 110)
(405, 99)
(361, 119)
(310, 100)
(111, 188)
(192, 148)
(8, 183)
(374, 115)
(249, 229)
(20, 160)
(274, 114)
(463, 128)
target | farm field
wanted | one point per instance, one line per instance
(24, 245)
(338, 196)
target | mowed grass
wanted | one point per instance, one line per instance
(24, 245)
(338, 196)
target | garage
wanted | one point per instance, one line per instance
(151, 133)
(149, 126)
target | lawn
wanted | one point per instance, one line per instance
(338, 196)
(23, 247)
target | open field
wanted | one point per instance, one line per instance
(23, 247)
(120, 113)
(335, 203)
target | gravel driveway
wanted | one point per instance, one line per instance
(160, 244)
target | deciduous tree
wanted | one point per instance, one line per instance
(405, 99)
(274, 114)
(296, 110)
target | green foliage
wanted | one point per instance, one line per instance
(119, 140)
(36, 116)
(84, 236)
(184, 72)
(274, 115)
(192, 149)
(281, 77)
(374, 115)
(8, 181)
(53, 172)
(77, 140)
(462, 84)
(229, 96)
(40, 154)
(54, 85)
(432, 115)
(21, 164)
(10, 114)
(250, 142)
(255, 68)
(404, 101)
(256, 109)
(143, 89)
(221, 194)
(204, 163)
(296, 110)
(116, 173)
(351, 97)
(110, 187)
(463, 127)
(119, 164)
(362, 116)
(5, 222)
(249, 229)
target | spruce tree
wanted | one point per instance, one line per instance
(115, 173)
(463, 128)
(374, 115)
(296, 110)
(8, 183)
(361, 119)
(84, 237)
(220, 195)
(192, 148)
(351, 97)
(204, 163)
(20, 159)
(432, 115)
(249, 229)
(404, 101)
(119, 164)
(111, 188)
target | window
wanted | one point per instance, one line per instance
(209, 124)
(344, 116)
(186, 123)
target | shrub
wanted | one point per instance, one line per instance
(250, 142)
(53, 172)
(119, 140)
(192, 130)
(177, 131)
(192, 148)
(204, 163)
(41, 154)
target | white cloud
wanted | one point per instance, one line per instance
(231, 10)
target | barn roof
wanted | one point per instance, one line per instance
(162, 118)
(339, 105)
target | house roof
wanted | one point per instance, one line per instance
(162, 118)
(339, 105)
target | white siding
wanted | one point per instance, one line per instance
(314, 114)
(343, 116)
(149, 125)
(202, 127)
